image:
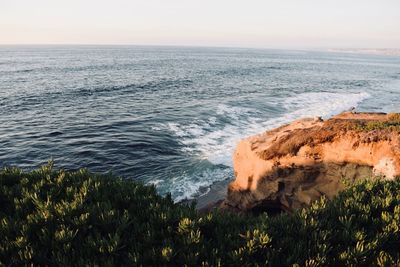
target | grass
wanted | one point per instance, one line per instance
(54, 217)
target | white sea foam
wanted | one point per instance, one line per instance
(322, 104)
(215, 142)
(187, 186)
(155, 182)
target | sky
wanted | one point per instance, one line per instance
(235, 23)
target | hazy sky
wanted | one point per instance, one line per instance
(251, 23)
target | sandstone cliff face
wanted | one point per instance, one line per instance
(291, 166)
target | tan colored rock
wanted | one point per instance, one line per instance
(291, 166)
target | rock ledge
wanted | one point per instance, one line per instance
(289, 167)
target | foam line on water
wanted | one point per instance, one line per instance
(215, 141)
(188, 185)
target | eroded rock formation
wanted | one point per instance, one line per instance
(291, 166)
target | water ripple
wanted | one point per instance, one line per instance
(171, 116)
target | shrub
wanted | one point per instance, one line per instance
(392, 123)
(61, 218)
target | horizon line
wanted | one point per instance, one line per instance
(317, 48)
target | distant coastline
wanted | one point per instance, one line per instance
(370, 51)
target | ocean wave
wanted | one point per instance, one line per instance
(17, 71)
(161, 114)
(157, 85)
(190, 185)
(215, 143)
(324, 104)
(36, 97)
(250, 70)
(214, 140)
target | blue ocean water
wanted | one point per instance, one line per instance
(171, 116)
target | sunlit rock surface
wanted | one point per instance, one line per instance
(289, 167)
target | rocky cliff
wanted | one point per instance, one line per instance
(291, 166)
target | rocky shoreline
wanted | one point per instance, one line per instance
(291, 166)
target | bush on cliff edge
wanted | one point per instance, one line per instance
(60, 218)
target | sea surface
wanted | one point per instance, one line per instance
(171, 116)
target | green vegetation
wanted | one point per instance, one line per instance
(60, 218)
(392, 123)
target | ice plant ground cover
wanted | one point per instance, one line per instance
(53, 217)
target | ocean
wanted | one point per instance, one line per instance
(171, 116)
